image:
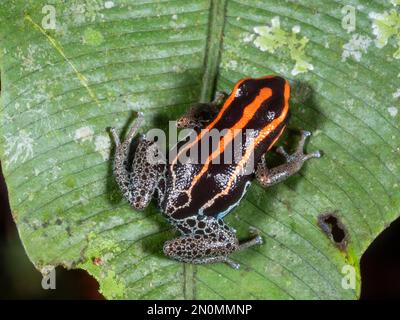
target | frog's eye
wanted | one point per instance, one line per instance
(238, 92)
(243, 88)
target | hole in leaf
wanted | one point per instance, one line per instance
(332, 226)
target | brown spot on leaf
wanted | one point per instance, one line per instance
(97, 261)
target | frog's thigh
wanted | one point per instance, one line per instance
(209, 241)
(294, 162)
(139, 183)
(144, 174)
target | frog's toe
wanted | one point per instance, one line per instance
(280, 150)
(299, 156)
(305, 133)
(258, 240)
(300, 147)
(114, 135)
(232, 264)
(317, 154)
(306, 156)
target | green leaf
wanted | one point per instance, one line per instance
(106, 60)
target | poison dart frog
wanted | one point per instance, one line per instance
(196, 196)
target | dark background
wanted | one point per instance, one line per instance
(380, 266)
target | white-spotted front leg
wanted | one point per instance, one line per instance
(294, 162)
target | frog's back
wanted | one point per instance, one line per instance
(250, 121)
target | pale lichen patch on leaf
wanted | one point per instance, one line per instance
(83, 199)
(385, 26)
(393, 111)
(109, 4)
(18, 148)
(41, 117)
(77, 13)
(53, 171)
(175, 24)
(230, 64)
(92, 37)
(356, 46)
(296, 29)
(271, 38)
(83, 134)
(85, 11)
(27, 57)
(248, 37)
(396, 94)
(102, 146)
(395, 2)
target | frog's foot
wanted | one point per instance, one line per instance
(299, 156)
(200, 114)
(294, 162)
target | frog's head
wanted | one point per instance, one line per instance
(259, 101)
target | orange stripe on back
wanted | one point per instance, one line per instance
(263, 134)
(227, 103)
(248, 114)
